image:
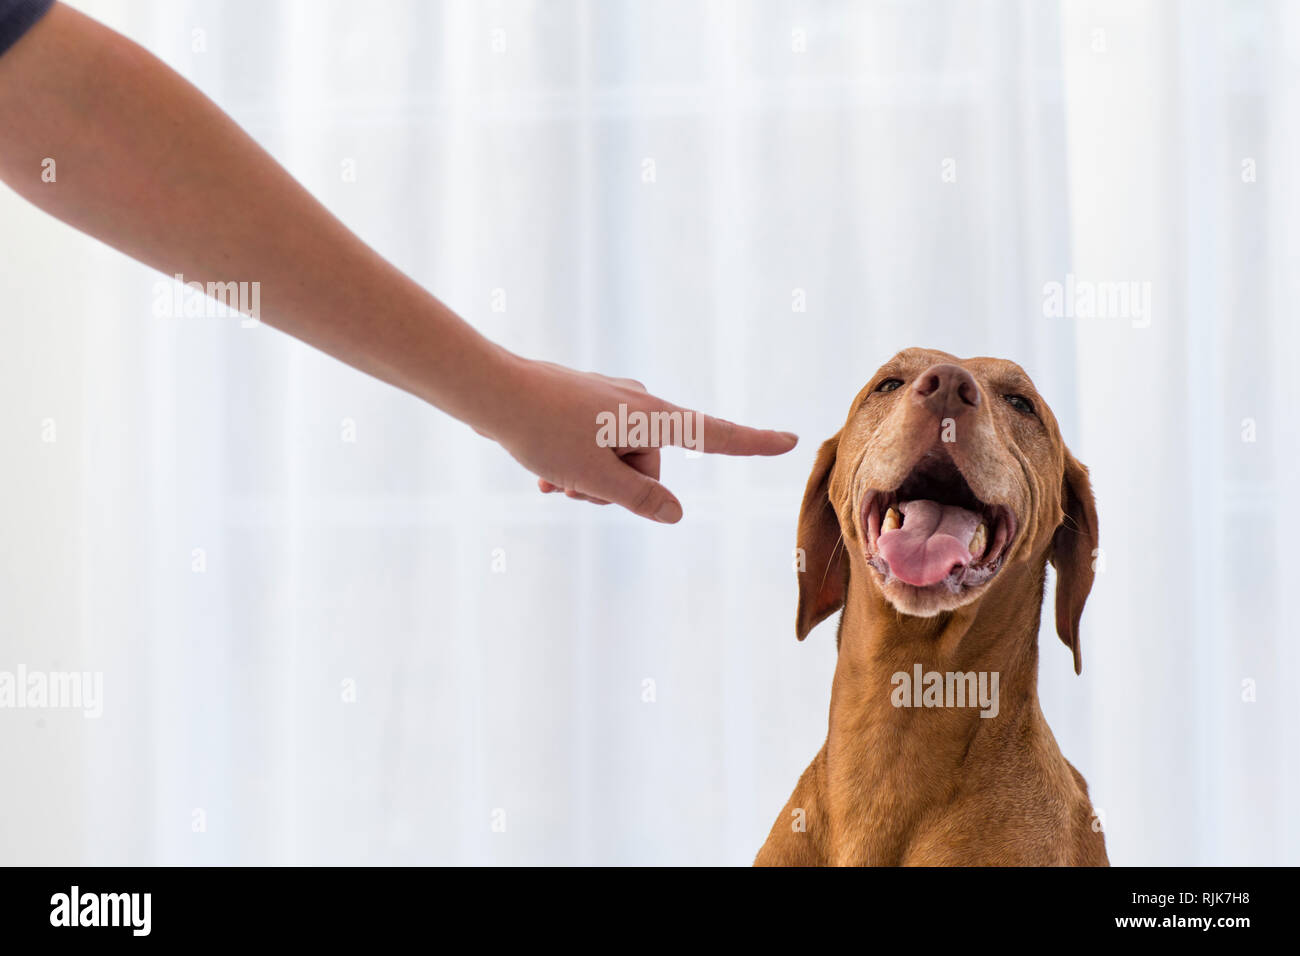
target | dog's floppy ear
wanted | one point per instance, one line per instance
(823, 566)
(1073, 546)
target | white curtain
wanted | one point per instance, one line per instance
(336, 627)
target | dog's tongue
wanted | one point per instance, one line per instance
(934, 539)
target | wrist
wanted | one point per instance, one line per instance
(500, 379)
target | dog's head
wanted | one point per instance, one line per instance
(946, 473)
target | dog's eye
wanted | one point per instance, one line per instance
(1020, 403)
(889, 384)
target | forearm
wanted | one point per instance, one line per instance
(149, 165)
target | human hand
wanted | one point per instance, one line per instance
(551, 423)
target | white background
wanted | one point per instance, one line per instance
(1105, 140)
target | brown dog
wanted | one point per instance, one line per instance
(930, 518)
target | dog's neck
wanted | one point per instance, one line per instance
(905, 760)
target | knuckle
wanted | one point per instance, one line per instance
(645, 497)
(723, 436)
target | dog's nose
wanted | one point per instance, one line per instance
(947, 390)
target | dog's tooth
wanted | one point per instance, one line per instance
(891, 521)
(979, 540)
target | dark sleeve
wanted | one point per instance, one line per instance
(17, 17)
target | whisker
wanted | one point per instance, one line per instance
(831, 561)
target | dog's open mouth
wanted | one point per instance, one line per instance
(933, 531)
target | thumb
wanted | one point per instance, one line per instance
(637, 492)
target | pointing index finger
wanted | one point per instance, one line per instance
(717, 436)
